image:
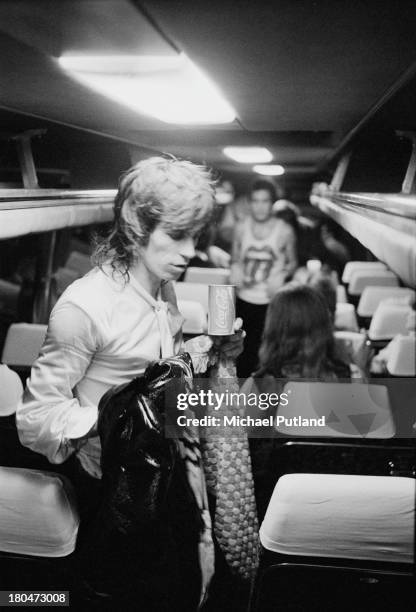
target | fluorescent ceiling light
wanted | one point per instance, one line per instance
(248, 155)
(170, 88)
(269, 170)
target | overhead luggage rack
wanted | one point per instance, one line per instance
(383, 223)
(395, 204)
(26, 211)
(33, 198)
(43, 212)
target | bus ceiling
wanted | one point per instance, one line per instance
(314, 83)
(302, 77)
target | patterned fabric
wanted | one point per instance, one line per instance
(229, 477)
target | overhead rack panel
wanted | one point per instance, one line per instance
(26, 211)
(384, 223)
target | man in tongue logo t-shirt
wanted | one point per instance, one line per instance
(263, 258)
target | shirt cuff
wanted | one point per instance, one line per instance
(81, 419)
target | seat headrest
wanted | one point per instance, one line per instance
(388, 321)
(11, 390)
(342, 516)
(360, 279)
(402, 357)
(351, 266)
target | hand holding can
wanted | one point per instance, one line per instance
(221, 310)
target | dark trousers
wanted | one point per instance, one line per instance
(253, 316)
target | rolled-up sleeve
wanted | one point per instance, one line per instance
(49, 418)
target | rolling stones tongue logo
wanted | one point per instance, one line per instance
(257, 264)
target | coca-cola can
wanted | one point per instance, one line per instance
(221, 310)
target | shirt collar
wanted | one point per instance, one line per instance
(165, 303)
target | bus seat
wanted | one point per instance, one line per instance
(195, 317)
(343, 410)
(352, 266)
(77, 265)
(209, 276)
(348, 534)
(361, 279)
(194, 292)
(341, 294)
(9, 293)
(23, 343)
(402, 358)
(372, 296)
(371, 517)
(63, 278)
(388, 321)
(11, 390)
(353, 347)
(313, 265)
(38, 513)
(345, 317)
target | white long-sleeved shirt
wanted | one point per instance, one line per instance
(101, 333)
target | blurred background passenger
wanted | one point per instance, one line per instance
(283, 206)
(224, 220)
(231, 210)
(208, 255)
(263, 259)
(289, 213)
(351, 348)
(335, 252)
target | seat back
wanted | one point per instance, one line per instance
(313, 265)
(11, 390)
(38, 514)
(336, 542)
(361, 279)
(194, 292)
(372, 296)
(402, 357)
(371, 517)
(208, 276)
(9, 294)
(336, 410)
(341, 294)
(352, 266)
(195, 317)
(389, 320)
(23, 343)
(345, 317)
(63, 278)
(79, 263)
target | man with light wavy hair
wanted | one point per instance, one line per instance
(109, 325)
